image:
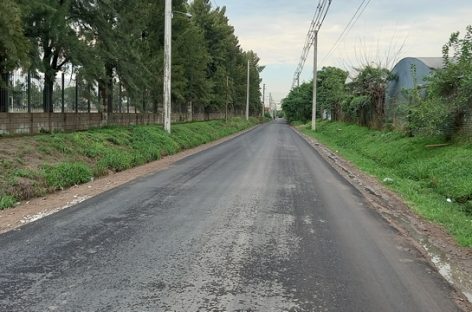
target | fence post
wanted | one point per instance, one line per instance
(88, 98)
(28, 91)
(76, 93)
(144, 101)
(120, 100)
(62, 94)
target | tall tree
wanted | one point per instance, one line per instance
(13, 46)
(52, 27)
(227, 61)
(332, 90)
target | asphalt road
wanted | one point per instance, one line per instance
(259, 223)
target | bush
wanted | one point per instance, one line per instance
(116, 161)
(449, 92)
(66, 174)
(6, 201)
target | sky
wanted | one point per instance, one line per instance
(387, 31)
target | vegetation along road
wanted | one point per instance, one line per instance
(258, 223)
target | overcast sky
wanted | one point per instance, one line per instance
(276, 31)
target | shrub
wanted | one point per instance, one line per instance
(6, 201)
(116, 161)
(66, 174)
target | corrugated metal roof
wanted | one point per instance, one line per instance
(432, 62)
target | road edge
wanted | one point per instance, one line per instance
(430, 239)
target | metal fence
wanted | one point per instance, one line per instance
(71, 94)
(27, 94)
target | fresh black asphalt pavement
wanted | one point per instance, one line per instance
(258, 223)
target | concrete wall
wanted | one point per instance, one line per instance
(33, 123)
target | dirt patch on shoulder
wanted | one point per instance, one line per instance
(452, 261)
(29, 211)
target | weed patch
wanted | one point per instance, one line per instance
(6, 201)
(66, 174)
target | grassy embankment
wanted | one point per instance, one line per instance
(435, 181)
(33, 166)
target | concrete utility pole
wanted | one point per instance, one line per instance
(226, 103)
(167, 65)
(247, 97)
(263, 99)
(315, 78)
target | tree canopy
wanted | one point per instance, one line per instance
(111, 42)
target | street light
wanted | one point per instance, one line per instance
(168, 63)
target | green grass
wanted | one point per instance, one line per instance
(435, 181)
(66, 174)
(44, 163)
(6, 201)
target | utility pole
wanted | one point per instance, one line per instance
(320, 14)
(263, 99)
(247, 95)
(226, 104)
(167, 65)
(315, 78)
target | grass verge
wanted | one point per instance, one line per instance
(436, 181)
(36, 165)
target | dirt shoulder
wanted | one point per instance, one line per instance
(452, 261)
(29, 211)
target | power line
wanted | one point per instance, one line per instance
(360, 10)
(316, 23)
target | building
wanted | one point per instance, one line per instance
(408, 73)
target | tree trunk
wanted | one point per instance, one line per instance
(4, 81)
(189, 111)
(48, 89)
(109, 88)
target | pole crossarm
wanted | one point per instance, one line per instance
(316, 23)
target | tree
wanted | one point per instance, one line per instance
(331, 90)
(449, 92)
(53, 29)
(227, 61)
(255, 105)
(118, 44)
(368, 95)
(14, 46)
(298, 104)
